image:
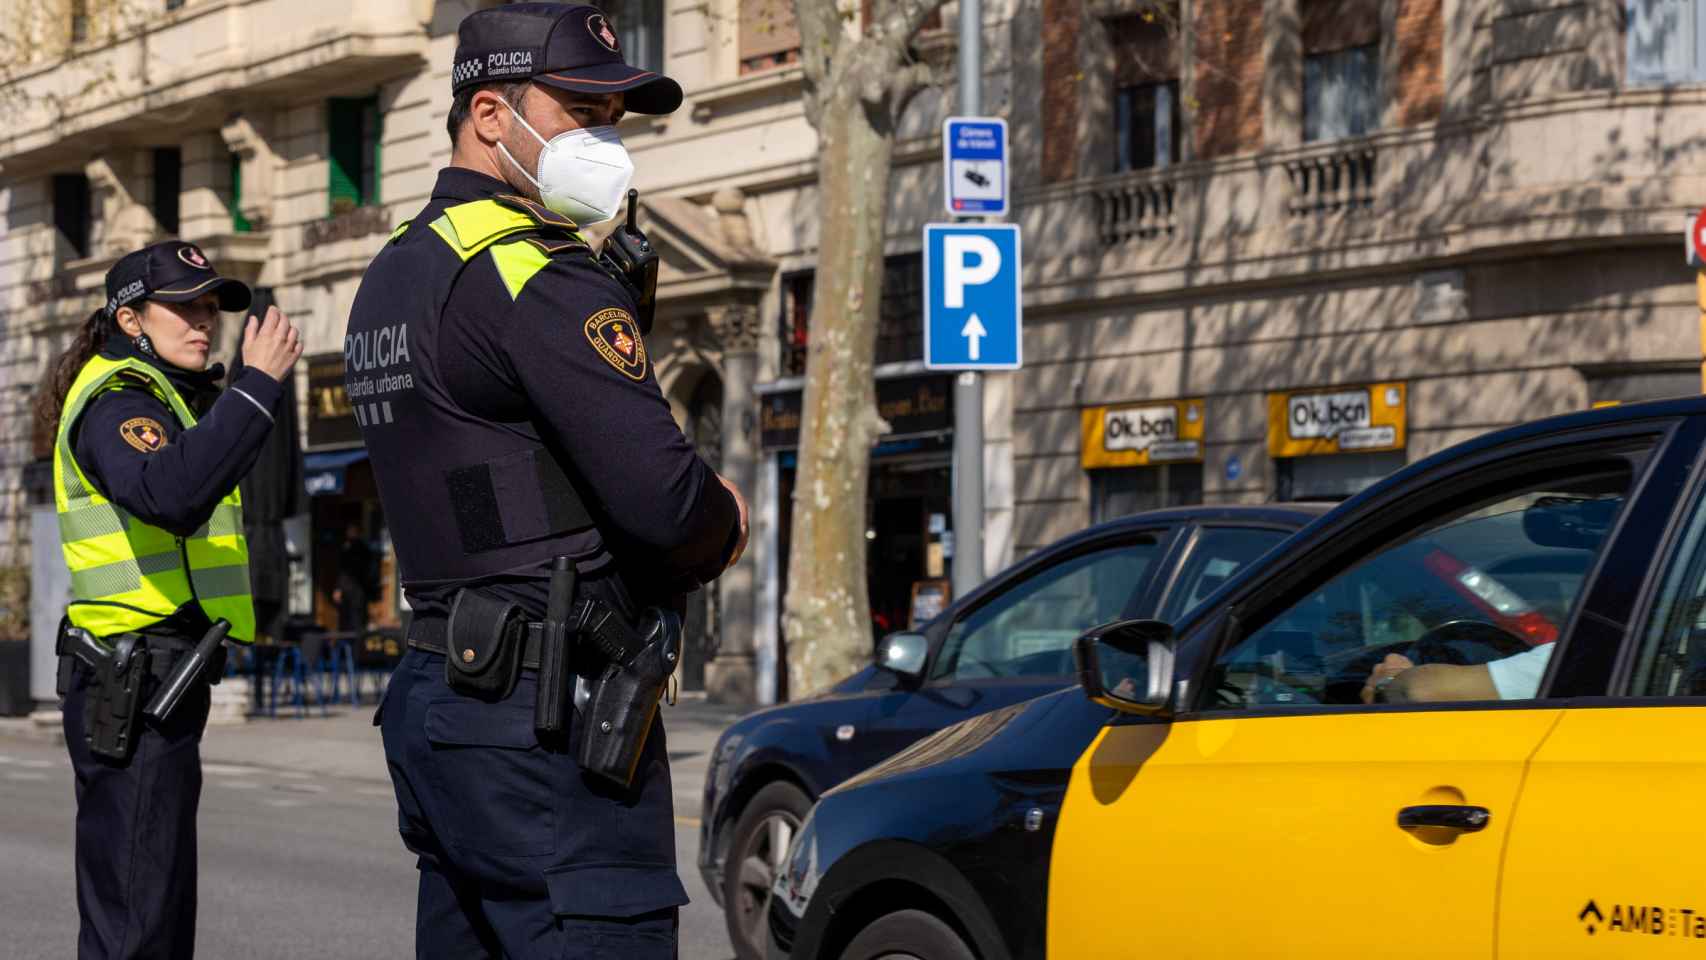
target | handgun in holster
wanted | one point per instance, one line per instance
(632, 259)
(115, 702)
(624, 697)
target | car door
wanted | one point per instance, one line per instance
(1017, 644)
(1604, 856)
(1269, 818)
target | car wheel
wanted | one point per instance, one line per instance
(908, 935)
(761, 838)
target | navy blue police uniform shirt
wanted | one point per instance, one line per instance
(590, 390)
(131, 445)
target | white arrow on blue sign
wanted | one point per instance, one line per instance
(972, 297)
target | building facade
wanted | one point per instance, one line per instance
(1274, 248)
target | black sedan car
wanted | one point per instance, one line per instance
(1327, 756)
(1006, 642)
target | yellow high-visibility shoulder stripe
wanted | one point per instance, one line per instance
(471, 227)
(517, 263)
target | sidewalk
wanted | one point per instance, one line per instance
(345, 745)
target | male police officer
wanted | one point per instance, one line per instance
(508, 402)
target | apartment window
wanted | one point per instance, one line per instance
(900, 317)
(1146, 92)
(239, 223)
(1147, 123)
(174, 4)
(639, 30)
(1666, 42)
(769, 35)
(1341, 68)
(168, 183)
(79, 10)
(352, 133)
(71, 211)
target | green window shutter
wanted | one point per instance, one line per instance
(352, 152)
(239, 223)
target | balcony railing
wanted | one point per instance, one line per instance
(1137, 207)
(1342, 181)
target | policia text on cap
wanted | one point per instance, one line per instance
(147, 456)
(548, 515)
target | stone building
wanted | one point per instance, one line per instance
(1274, 248)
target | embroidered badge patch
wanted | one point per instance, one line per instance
(616, 338)
(143, 434)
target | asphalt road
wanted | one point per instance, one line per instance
(292, 864)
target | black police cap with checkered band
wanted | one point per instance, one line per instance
(170, 271)
(568, 47)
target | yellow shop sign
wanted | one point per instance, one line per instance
(1305, 423)
(1138, 435)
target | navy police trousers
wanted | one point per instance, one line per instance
(522, 856)
(136, 852)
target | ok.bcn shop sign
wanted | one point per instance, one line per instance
(1141, 435)
(1340, 420)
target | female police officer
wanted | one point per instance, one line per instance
(146, 465)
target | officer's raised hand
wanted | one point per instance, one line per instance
(271, 346)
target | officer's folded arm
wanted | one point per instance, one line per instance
(578, 356)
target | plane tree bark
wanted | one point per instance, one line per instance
(856, 87)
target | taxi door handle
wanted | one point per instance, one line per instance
(1451, 816)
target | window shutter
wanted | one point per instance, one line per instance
(769, 34)
(1660, 41)
(343, 154)
(239, 223)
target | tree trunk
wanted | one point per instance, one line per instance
(827, 617)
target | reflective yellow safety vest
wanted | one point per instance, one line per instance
(125, 574)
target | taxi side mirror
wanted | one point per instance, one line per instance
(1128, 665)
(904, 654)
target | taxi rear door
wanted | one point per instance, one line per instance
(1283, 817)
(1604, 856)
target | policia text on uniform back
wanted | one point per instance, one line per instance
(548, 515)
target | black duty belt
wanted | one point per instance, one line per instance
(599, 624)
(428, 635)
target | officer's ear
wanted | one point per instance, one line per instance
(490, 114)
(129, 321)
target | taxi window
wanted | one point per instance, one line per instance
(1028, 631)
(1492, 585)
(1672, 659)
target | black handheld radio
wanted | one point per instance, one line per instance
(631, 257)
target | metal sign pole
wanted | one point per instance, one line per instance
(968, 384)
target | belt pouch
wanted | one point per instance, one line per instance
(113, 708)
(483, 645)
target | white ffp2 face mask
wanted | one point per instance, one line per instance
(583, 174)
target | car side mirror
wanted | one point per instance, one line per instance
(1128, 665)
(904, 654)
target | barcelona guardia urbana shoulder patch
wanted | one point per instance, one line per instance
(143, 433)
(616, 337)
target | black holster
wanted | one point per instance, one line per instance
(112, 706)
(624, 698)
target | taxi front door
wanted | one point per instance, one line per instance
(1278, 836)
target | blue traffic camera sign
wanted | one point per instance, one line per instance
(974, 166)
(972, 296)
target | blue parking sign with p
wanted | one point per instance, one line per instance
(972, 297)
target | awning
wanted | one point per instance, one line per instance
(323, 472)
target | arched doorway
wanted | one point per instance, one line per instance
(702, 629)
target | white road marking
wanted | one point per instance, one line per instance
(37, 764)
(300, 788)
(237, 784)
(281, 802)
(230, 770)
(376, 791)
(26, 776)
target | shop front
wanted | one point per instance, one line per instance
(352, 567)
(909, 540)
(1331, 443)
(1143, 456)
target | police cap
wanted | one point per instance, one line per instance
(568, 47)
(170, 271)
